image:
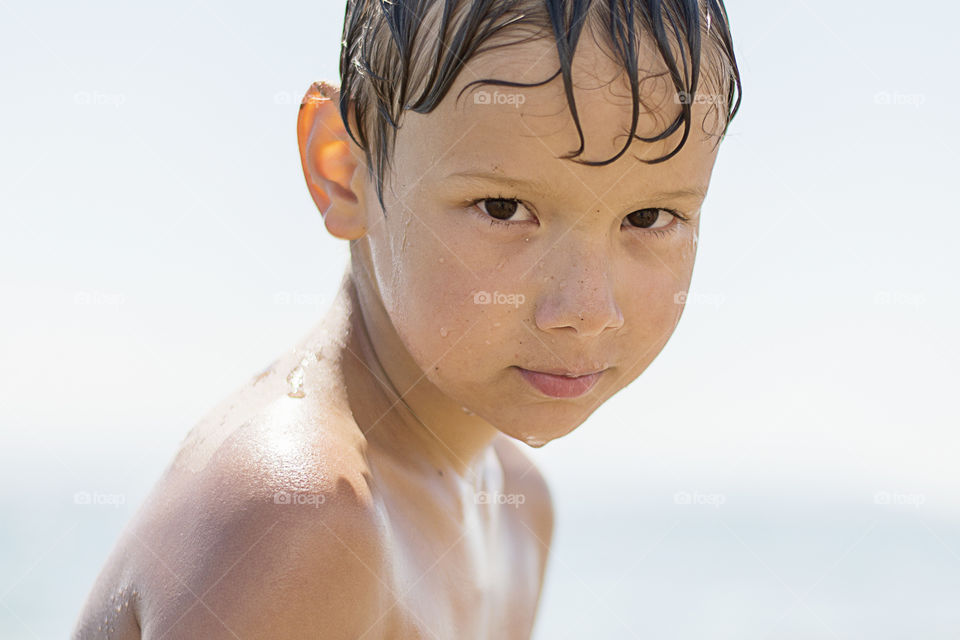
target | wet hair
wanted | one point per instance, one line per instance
(399, 55)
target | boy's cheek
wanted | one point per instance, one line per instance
(451, 302)
(435, 312)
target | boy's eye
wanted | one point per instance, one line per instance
(502, 209)
(651, 218)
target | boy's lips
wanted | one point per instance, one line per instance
(561, 383)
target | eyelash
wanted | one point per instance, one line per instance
(494, 222)
(660, 233)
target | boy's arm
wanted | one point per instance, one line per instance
(273, 568)
(229, 557)
(326, 588)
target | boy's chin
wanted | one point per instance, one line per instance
(538, 431)
(537, 439)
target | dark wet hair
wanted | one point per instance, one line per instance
(399, 55)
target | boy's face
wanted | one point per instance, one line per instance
(567, 279)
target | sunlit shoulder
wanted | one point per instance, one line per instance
(274, 535)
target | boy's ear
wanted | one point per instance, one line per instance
(329, 161)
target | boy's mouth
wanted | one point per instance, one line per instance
(560, 383)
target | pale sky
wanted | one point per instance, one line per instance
(159, 248)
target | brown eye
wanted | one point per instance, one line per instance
(646, 218)
(500, 208)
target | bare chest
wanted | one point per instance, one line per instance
(471, 579)
(460, 588)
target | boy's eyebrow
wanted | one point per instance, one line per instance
(541, 186)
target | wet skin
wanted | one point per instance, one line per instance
(312, 503)
(279, 518)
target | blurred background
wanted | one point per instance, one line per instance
(786, 468)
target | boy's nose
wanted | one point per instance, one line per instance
(580, 295)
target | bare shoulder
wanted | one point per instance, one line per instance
(521, 477)
(272, 533)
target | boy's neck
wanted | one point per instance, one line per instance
(410, 418)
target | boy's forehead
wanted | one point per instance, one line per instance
(600, 88)
(531, 127)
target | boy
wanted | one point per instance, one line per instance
(515, 262)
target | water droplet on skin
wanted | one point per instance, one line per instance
(440, 260)
(468, 412)
(527, 239)
(295, 380)
(500, 266)
(496, 324)
(443, 332)
(486, 342)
